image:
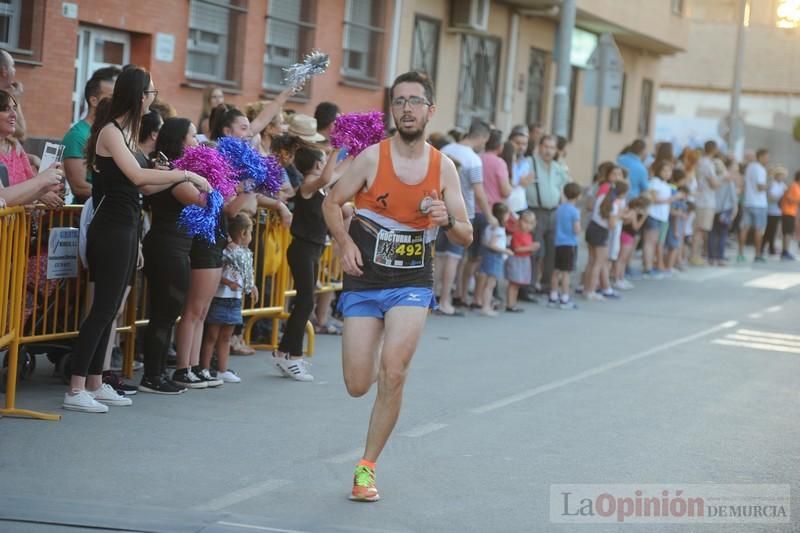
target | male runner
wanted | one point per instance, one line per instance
(404, 192)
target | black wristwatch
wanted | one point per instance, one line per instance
(451, 221)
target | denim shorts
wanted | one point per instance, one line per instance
(225, 311)
(377, 302)
(491, 263)
(445, 247)
(652, 224)
(754, 217)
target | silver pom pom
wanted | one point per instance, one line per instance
(314, 64)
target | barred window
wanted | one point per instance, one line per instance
(216, 31)
(363, 39)
(477, 94)
(290, 36)
(425, 51)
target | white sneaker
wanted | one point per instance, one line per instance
(623, 285)
(593, 296)
(84, 402)
(107, 395)
(229, 376)
(296, 369)
(276, 361)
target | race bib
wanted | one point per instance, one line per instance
(400, 249)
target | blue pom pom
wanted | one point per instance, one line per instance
(259, 173)
(202, 221)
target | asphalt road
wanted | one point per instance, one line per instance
(685, 381)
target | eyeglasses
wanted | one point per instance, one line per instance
(415, 102)
(153, 92)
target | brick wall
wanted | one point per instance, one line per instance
(47, 101)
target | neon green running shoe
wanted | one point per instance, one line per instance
(364, 489)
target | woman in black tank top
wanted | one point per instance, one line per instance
(112, 240)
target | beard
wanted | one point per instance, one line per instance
(411, 135)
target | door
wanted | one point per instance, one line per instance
(97, 48)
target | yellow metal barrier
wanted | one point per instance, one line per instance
(13, 251)
(42, 310)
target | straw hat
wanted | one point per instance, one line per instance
(305, 127)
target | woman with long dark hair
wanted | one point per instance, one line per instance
(166, 264)
(113, 236)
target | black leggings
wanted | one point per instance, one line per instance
(167, 282)
(111, 251)
(303, 257)
(773, 221)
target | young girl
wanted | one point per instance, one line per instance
(673, 244)
(225, 312)
(658, 216)
(518, 266)
(632, 221)
(604, 216)
(308, 240)
(493, 253)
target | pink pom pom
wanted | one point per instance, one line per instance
(357, 131)
(211, 165)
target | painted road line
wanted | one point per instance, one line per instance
(259, 528)
(600, 369)
(768, 334)
(778, 281)
(240, 495)
(424, 429)
(765, 340)
(757, 346)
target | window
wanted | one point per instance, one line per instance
(477, 94)
(20, 21)
(290, 36)
(10, 15)
(677, 7)
(616, 115)
(645, 108)
(215, 45)
(363, 39)
(536, 84)
(425, 48)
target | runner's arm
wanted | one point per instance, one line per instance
(364, 165)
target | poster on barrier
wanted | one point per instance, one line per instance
(62, 253)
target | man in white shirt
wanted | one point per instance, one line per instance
(705, 201)
(449, 255)
(755, 203)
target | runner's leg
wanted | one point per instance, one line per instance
(403, 328)
(361, 342)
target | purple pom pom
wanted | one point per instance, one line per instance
(202, 221)
(357, 131)
(211, 165)
(256, 171)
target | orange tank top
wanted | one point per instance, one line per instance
(392, 198)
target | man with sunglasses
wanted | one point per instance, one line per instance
(404, 192)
